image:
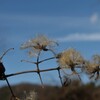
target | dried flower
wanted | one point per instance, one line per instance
(69, 59)
(96, 59)
(92, 68)
(37, 44)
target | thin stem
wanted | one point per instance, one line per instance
(79, 77)
(46, 59)
(38, 56)
(74, 72)
(38, 70)
(38, 61)
(92, 76)
(5, 53)
(28, 61)
(60, 76)
(9, 86)
(52, 52)
(31, 71)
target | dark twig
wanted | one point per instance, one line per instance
(5, 53)
(52, 52)
(60, 75)
(31, 71)
(38, 70)
(38, 61)
(9, 86)
(29, 61)
(46, 59)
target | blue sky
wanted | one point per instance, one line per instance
(73, 23)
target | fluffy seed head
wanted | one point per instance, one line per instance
(37, 44)
(70, 57)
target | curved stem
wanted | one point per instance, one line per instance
(52, 52)
(5, 53)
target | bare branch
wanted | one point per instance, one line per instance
(38, 70)
(28, 61)
(31, 71)
(5, 53)
(46, 59)
(60, 76)
(9, 86)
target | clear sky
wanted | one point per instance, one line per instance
(73, 23)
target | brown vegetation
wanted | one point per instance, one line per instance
(75, 91)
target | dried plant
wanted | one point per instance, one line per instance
(3, 76)
(38, 44)
(70, 59)
(2, 68)
(96, 59)
(92, 68)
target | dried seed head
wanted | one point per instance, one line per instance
(70, 58)
(37, 44)
(96, 59)
(92, 66)
(92, 69)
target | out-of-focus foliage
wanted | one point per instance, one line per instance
(75, 91)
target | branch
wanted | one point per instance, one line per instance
(5, 53)
(52, 52)
(46, 59)
(60, 75)
(28, 61)
(9, 86)
(38, 61)
(31, 71)
(38, 70)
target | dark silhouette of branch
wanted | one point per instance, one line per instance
(9, 86)
(29, 61)
(60, 75)
(38, 61)
(46, 59)
(5, 53)
(31, 71)
(38, 70)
